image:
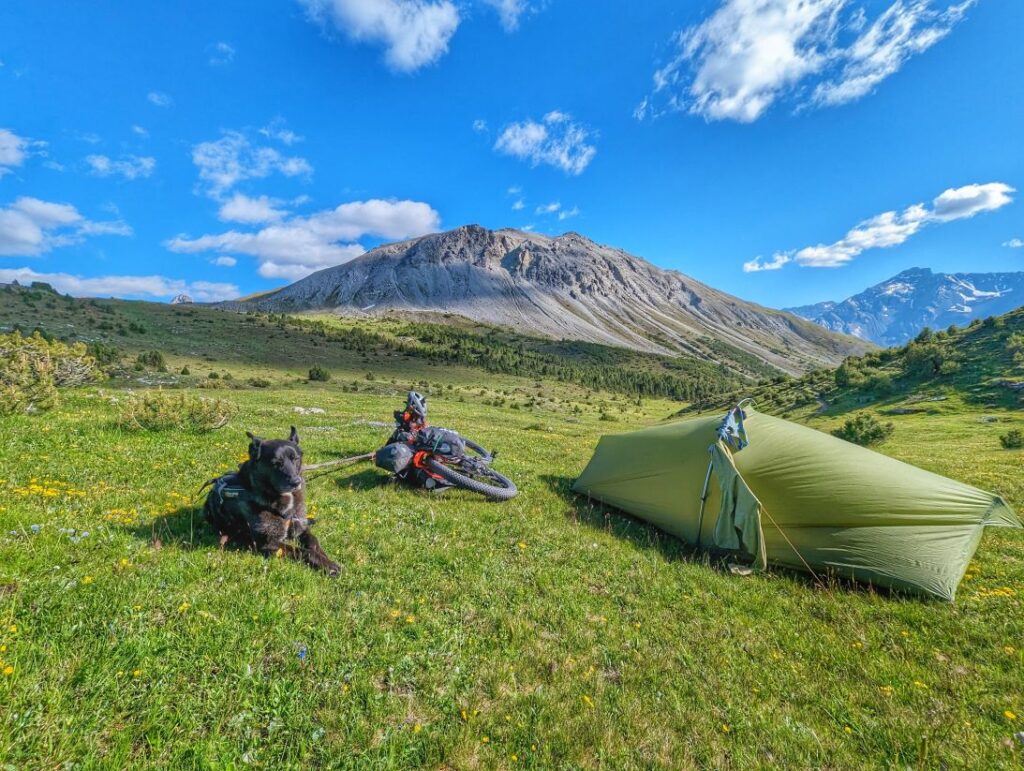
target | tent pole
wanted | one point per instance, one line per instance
(703, 501)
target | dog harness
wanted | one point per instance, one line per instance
(230, 487)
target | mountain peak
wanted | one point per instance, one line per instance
(912, 273)
(894, 311)
(564, 287)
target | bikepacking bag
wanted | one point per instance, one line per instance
(441, 441)
(393, 457)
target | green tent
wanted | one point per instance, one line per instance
(796, 497)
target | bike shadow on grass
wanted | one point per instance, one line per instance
(361, 481)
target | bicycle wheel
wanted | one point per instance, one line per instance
(502, 489)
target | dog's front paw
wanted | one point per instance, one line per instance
(333, 569)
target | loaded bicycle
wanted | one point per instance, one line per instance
(438, 459)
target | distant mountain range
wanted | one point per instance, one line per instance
(564, 287)
(893, 312)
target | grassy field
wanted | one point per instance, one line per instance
(546, 632)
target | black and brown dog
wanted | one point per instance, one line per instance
(262, 506)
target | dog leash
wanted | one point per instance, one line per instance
(334, 465)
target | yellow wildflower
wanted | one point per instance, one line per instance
(484, 740)
(8, 670)
(87, 579)
(137, 673)
(184, 606)
(395, 613)
(410, 619)
(1010, 715)
(847, 729)
(588, 701)
(726, 728)
(417, 728)
(1009, 650)
(919, 684)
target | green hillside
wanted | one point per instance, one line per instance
(979, 366)
(198, 334)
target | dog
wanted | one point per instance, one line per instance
(262, 506)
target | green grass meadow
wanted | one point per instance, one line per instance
(546, 632)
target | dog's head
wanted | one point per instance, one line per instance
(276, 464)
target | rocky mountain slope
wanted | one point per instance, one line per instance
(565, 287)
(893, 312)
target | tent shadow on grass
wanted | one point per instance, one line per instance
(613, 521)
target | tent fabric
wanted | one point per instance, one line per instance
(830, 505)
(739, 515)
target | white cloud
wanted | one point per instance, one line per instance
(518, 205)
(123, 286)
(479, 125)
(893, 228)
(140, 131)
(220, 53)
(758, 264)
(160, 99)
(548, 208)
(966, 201)
(1014, 243)
(225, 162)
(567, 213)
(509, 11)
(251, 211)
(224, 261)
(15, 150)
(300, 245)
(414, 33)
(515, 190)
(89, 137)
(901, 31)
(750, 53)
(128, 167)
(277, 129)
(30, 227)
(556, 141)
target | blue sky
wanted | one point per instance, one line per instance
(786, 151)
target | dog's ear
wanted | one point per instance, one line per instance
(294, 436)
(255, 445)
